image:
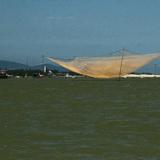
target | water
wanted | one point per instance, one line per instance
(79, 119)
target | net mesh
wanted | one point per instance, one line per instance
(115, 65)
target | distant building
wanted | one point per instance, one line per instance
(3, 74)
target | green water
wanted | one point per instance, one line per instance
(79, 119)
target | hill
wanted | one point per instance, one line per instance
(153, 68)
(11, 65)
(49, 66)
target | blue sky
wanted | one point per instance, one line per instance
(68, 28)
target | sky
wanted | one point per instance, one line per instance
(70, 28)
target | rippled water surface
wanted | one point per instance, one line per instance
(80, 119)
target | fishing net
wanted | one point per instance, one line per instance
(115, 65)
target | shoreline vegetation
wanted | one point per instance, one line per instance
(5, 74)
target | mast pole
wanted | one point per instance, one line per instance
(120, 70)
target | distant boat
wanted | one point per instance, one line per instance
(107, 67)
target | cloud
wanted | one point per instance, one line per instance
(60, 18)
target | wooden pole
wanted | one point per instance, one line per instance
(120, 71)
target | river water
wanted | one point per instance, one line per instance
(79, 119)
